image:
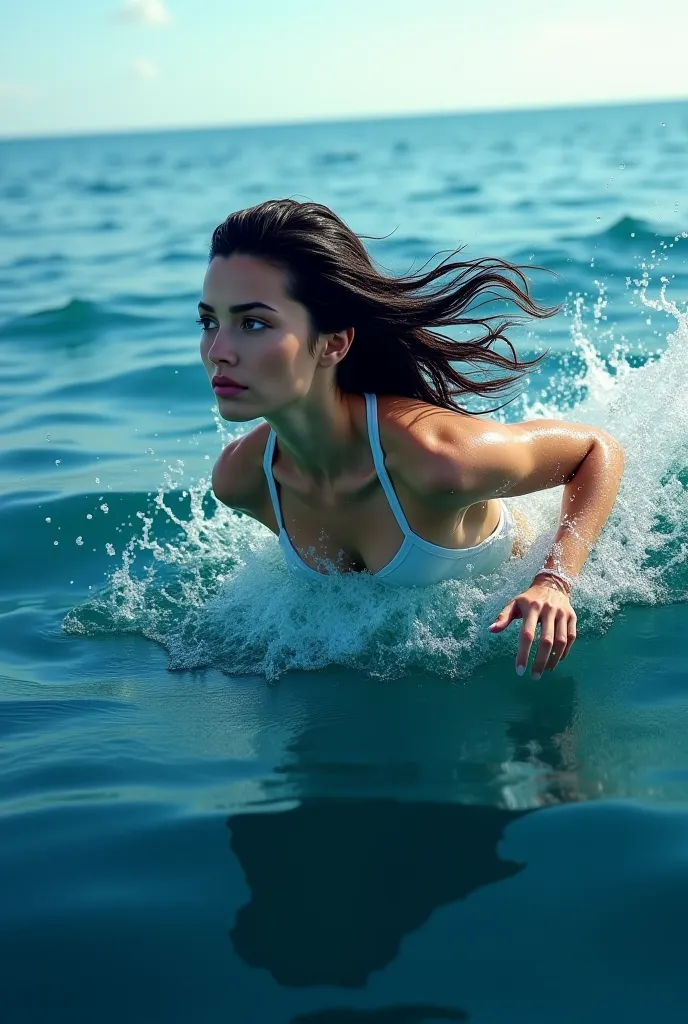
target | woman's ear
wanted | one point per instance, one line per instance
(336, 347)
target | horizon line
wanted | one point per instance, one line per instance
(343, 119)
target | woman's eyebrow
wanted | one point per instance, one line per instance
(243, 307)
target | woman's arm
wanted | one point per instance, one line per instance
(512, 459)
(475, 460)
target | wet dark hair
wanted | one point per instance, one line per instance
(396, 348)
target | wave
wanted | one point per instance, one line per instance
(15, 190)
(336, 159)
(55, 417)
(37, 260)
(40, 459)
(157, 301)
(581, 202)
(76, 321)
(98, 186)
(628, 230)
(159, 384)
(183, 256)
(450, 190)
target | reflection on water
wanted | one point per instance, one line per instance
(339, 880)
(494, 742)
(336, 885)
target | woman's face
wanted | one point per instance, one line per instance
(256, 336)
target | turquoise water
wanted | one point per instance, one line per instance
(228, 797)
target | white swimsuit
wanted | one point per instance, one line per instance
(417, 563)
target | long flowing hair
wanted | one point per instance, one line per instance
(398, 347)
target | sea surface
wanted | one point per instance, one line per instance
(228, 796)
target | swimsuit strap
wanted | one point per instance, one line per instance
(267, 468)
(379, 460)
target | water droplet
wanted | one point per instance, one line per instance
(80, 541)
(109, 548)
(58, 461)
(663, 124)
(56, 542)
(97, 479)
(104, 508)
(622, 167)
(47, 519)
(632, 234)
(598, 218)
(47, 437)
(89, 516)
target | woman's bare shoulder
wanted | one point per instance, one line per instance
(439, 453)
(423, 442)
(238, 479)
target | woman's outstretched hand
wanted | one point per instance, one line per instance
(548, 604)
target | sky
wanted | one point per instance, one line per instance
(92, 66)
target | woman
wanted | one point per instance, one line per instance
(366, 459)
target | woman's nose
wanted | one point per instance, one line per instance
(221, 349)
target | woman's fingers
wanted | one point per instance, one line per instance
(561, 639)
(530, 620)
(548, 617)
(505, 617)
(571, 631)
(557, 632)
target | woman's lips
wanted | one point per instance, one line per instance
(226, 387)
(227, 390)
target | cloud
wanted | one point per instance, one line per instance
(144, 12)
(146, 69)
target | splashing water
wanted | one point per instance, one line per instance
(217, 593)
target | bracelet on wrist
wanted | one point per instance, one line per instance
(556, 574)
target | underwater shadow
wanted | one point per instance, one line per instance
(337, 884)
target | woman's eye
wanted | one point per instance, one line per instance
(252, 320)
(206, 323)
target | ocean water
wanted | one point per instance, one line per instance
(226, 797)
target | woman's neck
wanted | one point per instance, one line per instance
(319, 435)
